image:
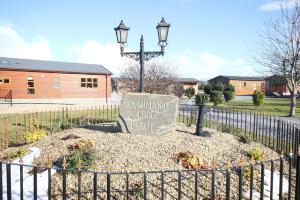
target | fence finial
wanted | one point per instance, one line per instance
(241, 161)
(213, 164)
(64, 164)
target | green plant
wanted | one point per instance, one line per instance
(226, 129)
(218, 87)
(245, 139)
(207, 89)
(178, 90)
(229, 87)
(201, 99)
(228, 95)
(31, 137)
(216, 97)
(63, 125)
(189, 92)
(17, 153)
(80, 158)
(137, 191)
(255, 154)
(82, 144)
(258, 98)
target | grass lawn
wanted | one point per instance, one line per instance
(274, 106)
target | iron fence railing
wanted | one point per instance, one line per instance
(275, 132)
(272, 179)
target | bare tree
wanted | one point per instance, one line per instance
(279, 52)
(159, 77)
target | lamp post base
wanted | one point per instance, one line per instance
(200, 121)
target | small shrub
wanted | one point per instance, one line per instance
(255, 154)
(63, 125)
(178, 90)
(17, 153)
(201, 99)
(85, 158)
(226, 129)
(216, 97)
(137, 191)
(189, 92)
(258, 98)
(218, 87)
(82, 144)
(189, 160)
(207, 89)
(244, 139)
(229, 87)
(228, 95)
(31, 137)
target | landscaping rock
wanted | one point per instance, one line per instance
(148, 113)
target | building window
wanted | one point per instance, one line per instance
(30, 85)
(245, 84)
(4, 80)
(55, 82)
(89, 82)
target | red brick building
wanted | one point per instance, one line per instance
(277, 85)
(36, 79)
(243, 85)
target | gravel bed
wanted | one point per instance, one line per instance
(136, 153)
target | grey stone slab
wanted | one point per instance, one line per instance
(142, 113)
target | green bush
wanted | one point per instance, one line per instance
(245, 139)
(189, 92)
(216, 97)
(218, 87)
(201, 99)
(258, 98)
(228, 95)
(31, 137)
(17, 153)
(85, 158)
(63, 125)
(178, 90)
(229, 87)
(207, 89)
(255, 154)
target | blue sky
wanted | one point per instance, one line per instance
(206, 38)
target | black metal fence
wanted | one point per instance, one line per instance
(273, 179)
(277, 133)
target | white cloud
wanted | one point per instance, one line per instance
(14, 45)
(276, 5)
(95, 52)
(205, 65)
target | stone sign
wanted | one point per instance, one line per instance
(142, 113)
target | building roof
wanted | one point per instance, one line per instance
(242, 78)
(19, 64)
(187, 80)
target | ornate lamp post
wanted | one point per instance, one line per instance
(142, 56)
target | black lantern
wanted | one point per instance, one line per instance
(162, 30)
(142, 55)
(122, 33)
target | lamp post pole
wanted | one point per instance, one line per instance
(142, 62)
(142, 55)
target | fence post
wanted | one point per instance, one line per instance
(297, 197)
